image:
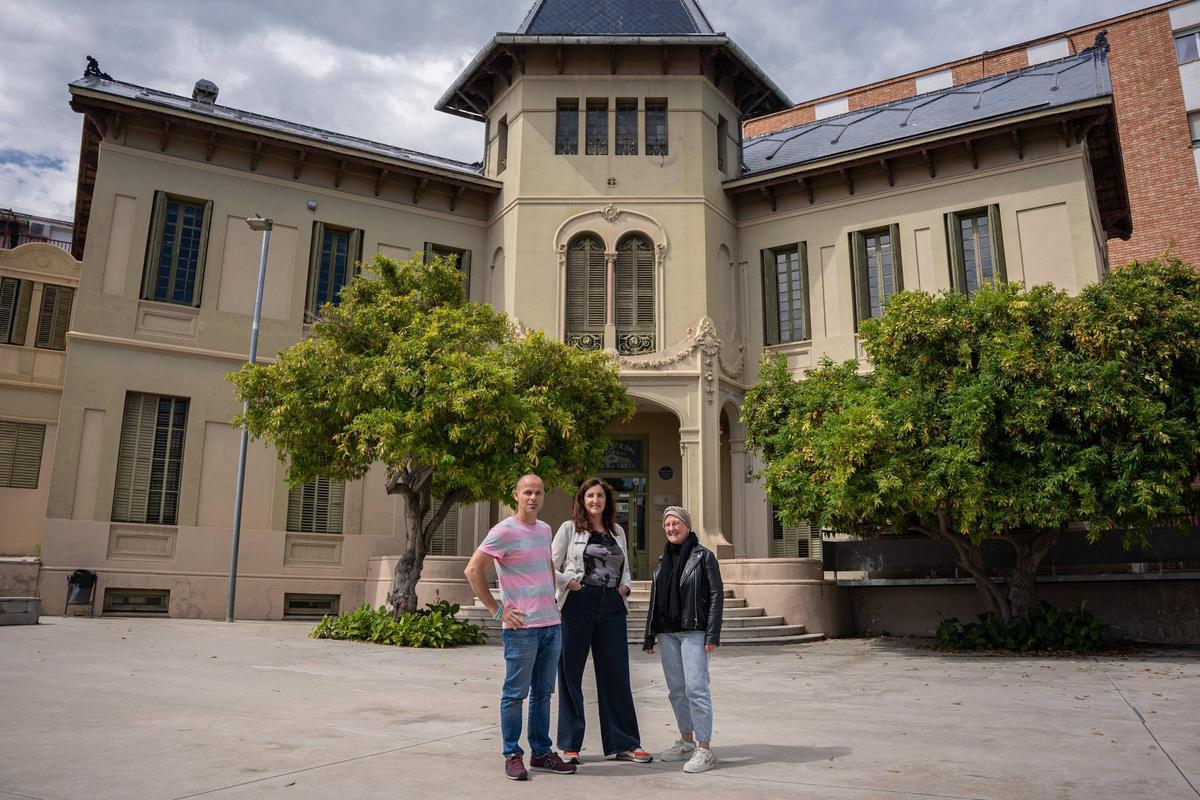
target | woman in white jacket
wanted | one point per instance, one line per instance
(591, 564)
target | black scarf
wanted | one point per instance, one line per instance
(668, 611)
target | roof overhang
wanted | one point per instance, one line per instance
(462, 100)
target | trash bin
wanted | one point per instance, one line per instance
(81, 590)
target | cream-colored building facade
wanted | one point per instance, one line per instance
(616, 206)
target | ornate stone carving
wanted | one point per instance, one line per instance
(610, 212)
(703, 338)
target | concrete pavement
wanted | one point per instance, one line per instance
(153, 708)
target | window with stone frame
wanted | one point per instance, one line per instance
(627, 128)
(656, 127)
(634, 295)
(332, 263)
(876, 270)
(176, 250)
(566, 128)
(586, 297)
(597, 128)
(976, 248)
(150, 459)
(786, 312)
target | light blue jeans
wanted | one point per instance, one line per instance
(530, 667)
(685, 665)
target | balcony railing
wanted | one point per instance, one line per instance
(633, 344)
(8, 241)
(586, 341)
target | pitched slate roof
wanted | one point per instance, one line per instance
(615, 17)
(1044, 87)
(174, 102)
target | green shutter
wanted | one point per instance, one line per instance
(314, 271)
(134, 458)
(586, 278)
(635, 286)
(954, 246)
(355, 253)
(54, 316)
(203, 253)
(316, 506)
(464, 264)
(21, 314)
(996, 232)
(429, 250)
(806, 292)
(20, 454)
(858, 268)
(8, 304)
(154, 243)
(897, 265)
(770, 291)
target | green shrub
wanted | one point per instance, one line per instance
(1043, 627)
(433, 626)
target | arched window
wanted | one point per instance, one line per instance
(635, 295)
(586, 280)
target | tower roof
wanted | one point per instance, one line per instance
(616, 18)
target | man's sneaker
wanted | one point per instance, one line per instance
(680, 751)
(551, 763)
(701, 761)
(570, 756)
(636, 756)
(514, 768)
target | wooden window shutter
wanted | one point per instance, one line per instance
(897, 266)
(21, 320)
(587, 278)
(954, 245)
(316, 506)
(805, 293)
(134, 458)
(314, 271)
(54, 316)
(996, 232)
(428, 252)
(444, 541)
(356, 254)
(858, 266)
(158, 215)
(9, 287)
(770, 289)
(789, 541)
(20, 454)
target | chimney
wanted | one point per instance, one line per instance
(205, 91)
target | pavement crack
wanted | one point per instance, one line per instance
(1142, 719)
(339, 762)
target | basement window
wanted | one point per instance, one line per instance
(310, 606)
(137, 602)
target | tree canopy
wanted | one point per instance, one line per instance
(1009, 414)
(446, 393)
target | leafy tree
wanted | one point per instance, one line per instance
(1008, 415)
(405, 371)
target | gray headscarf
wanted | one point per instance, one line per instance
(679, 513)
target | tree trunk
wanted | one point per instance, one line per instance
(970, 556)
(1022, 582)
(403, 597)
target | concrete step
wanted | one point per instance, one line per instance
(19, 610)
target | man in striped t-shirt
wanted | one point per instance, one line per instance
(520, 549)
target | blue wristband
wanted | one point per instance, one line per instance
(499, 609)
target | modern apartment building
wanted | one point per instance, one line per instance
(616, 206)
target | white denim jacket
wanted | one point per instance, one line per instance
(566, 552)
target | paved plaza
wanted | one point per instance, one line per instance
(147, 708)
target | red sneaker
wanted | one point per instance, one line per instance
(551, 762)
(514, 768)
(636, 756)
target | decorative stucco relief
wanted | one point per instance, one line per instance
(701, 339)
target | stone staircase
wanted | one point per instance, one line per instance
(742, 624)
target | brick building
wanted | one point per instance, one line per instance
(1155, 69)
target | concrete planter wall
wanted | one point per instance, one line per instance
(441, 578)
(794, 588)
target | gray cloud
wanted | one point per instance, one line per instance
(374, 68)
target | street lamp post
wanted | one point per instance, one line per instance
(256, 223)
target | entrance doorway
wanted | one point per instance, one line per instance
(624, 468)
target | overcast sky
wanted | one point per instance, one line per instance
(374, 68)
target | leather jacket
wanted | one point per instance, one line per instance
(702, 597)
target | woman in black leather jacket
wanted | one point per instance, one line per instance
(687, 600)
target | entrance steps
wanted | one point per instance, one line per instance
(742, 624)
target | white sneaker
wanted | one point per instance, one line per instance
(680, 751)
(701, 761)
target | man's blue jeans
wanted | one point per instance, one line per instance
(530, 667)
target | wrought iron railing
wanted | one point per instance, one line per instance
(9, 241)
(586, 341)
(632, 344)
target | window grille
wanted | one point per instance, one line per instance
(627, 128)
(656, 128)
(566, 129)
(597, 128)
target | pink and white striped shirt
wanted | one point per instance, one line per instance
(522, 554)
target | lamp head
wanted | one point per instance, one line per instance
(259, 223)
